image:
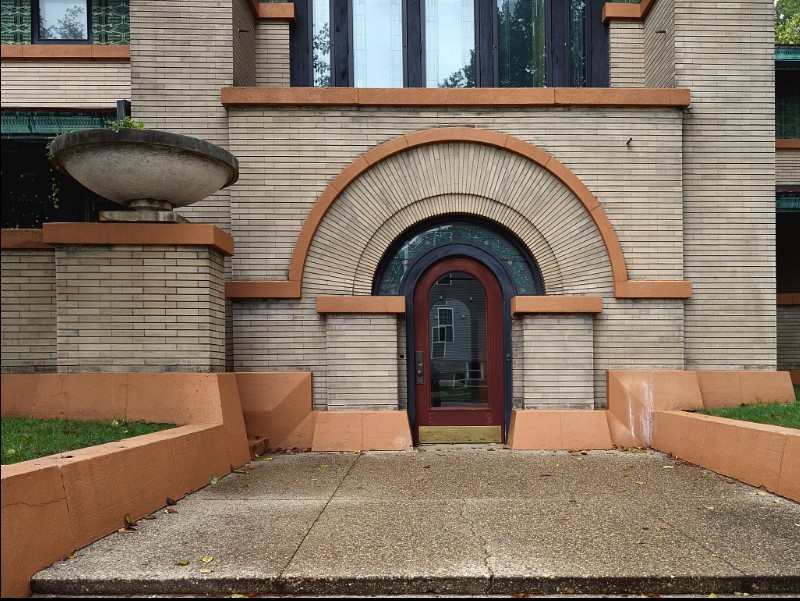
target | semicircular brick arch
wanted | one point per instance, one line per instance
(457, 178)
(487, 164)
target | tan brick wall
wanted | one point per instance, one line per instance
(626, 54)
(659, 48)
(726, 59)
(555, 362)
(272, 54)
(639, 185)
(180, 58)
(64, 84)
(477, 180)
(787, 167)
(140, 308)
(361, 361)
(244, 45)
(788, 337)
(28, 320)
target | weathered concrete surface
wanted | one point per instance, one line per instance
(454, 520)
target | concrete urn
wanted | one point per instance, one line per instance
(147, 170)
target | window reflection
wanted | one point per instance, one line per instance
(63, 20)
(450, 43)
(521, 29)
(321, 20)
(378, 43)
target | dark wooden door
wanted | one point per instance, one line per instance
(458, 347)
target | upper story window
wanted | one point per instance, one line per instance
(449, 43)
(62, 21)
(66, 22)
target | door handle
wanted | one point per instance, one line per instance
(419, 367)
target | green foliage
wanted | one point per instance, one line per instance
(787, 22)
(464, 77)
(776, 414)
(28, 438)
(126, 123)
(321, 56)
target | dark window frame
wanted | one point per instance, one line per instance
(35, 39)
(486, 40)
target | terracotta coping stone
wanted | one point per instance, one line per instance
(556, 304)
(22, 238)
(272, 11)
(653, 289)
(92, 52)
(787, 298)
(649, 97)
(559, 430)
(361, 304)
(108, 234)
(628, 11)
(262, 289)
(785, 144)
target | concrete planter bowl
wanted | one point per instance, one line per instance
(150, 171)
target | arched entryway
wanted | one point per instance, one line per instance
(458, 275)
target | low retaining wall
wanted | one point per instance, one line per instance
(650, 408)
(277, 406)
(54, 505)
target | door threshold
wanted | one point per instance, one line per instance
(459, 434)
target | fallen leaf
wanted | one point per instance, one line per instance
(206, 571)
(240, 470)
(127, 530)
(712, 596)
(267, 459)
(129, 521)
(213, 480)
(252, 594)
(149, 516)
(709, 507)
(170, 510)
(206, 559)
(520, 595)
(171, 501)
(71, 556)
(668, 467)
(238, 596)
(545, 475)
(641, 482)
(323, 466)
(182, 562)
(760, 493)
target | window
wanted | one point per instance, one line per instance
(62, 21)
(449, 43)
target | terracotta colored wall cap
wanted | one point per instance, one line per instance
(623, 97)
(93, 52)
(628, 11)
(272, 10)
(22, 238)
(786, 144)
(653, 289)
(262, 289)
(182, 234)
(361, 304)
(788, 298)
(556, 304)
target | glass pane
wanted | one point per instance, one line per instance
(63, 20)
(321, 19)
(457, 318)
(450, 43)
(521, 43)
(378, 43)
(577, 43)
(462, 233)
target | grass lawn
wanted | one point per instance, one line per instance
(26, 438)
(777, 414)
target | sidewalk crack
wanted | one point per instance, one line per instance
(282, 574)
(483, 543)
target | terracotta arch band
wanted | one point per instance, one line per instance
(458, 134)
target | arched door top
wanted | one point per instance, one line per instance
(458, 134)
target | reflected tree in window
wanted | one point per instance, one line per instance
(464, 77)
(322, 54)
(72, 26)
(521, 29)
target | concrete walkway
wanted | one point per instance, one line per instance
(456, 520)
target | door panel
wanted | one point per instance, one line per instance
(458, 337)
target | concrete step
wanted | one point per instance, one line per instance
(258, 445)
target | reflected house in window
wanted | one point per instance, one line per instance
(451, 211)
